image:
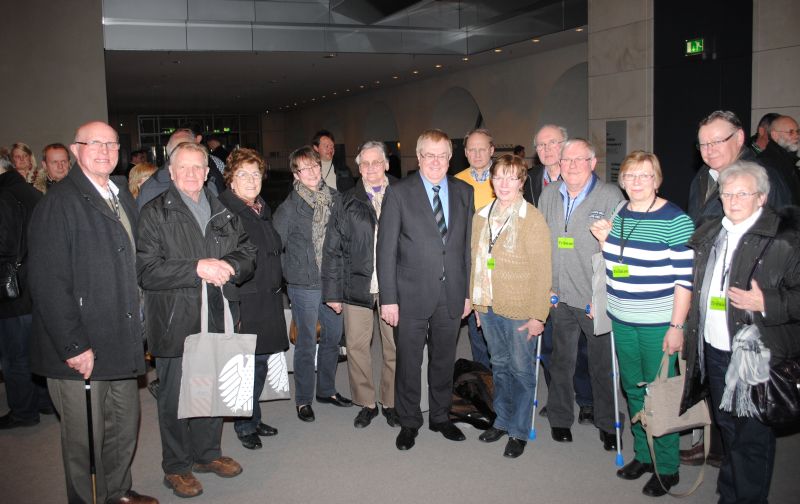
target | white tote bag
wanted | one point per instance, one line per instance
(218, 370)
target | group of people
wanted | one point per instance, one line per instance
(503, 246)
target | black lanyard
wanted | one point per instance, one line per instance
(492, 241)
(622, 239)
(726, 268)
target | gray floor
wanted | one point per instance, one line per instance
(330, 462)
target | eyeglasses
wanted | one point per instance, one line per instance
(378, 164)
(241, 175)
(480, 151)
(431, 157)
(739, 195)
(312, 167)
(566, 162)
(789, 132)
(94, 144)
(714, 143)
(641, 177)
(552, 144)
(510, 180)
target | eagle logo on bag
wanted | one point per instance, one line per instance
(236, 382)
(277, 376)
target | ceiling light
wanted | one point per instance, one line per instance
(535, 41)
(330, 55)
(578, 29)
(361, 86)
(465, 58)
(347, 90)
(334, 93)
(377, 82)
(313, 99)
(438, 65)
(323, 96)
(415, 72)
(395, 77)
(498, 50)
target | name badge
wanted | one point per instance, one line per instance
(621, 271)
(566, 242)
(490, 263)
(717, 303)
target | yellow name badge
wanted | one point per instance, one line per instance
(717, 303)
(621, 271)
(490, 263)
(566, 242)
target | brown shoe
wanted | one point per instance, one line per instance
(183, 485)
(224, 467)
(132, 497)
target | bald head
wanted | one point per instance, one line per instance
(784, 132)
(96, 148)
(178, 138)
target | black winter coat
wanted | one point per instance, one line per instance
(778, 276)
(783, 162)
(293, 221)
(169, 245)
(17, 199)
(534, 185)
(83, 283)
(261, 297)
(347, 263)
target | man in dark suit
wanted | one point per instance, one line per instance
(423, 260)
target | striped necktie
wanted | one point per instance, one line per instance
(438, 213)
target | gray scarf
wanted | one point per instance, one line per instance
(321, 201)
(749, 366)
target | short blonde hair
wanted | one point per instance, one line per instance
(636, 158)
(138, 173)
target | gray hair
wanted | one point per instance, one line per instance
(725, 115)
(561, 129)
(746, 169)
(191, 147)
(178, 138)
(372, 144)
(5, 162)
(578, 141)
(482, 131)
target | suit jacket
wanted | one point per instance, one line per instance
(533, 185)
(412, 261)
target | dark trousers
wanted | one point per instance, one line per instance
(26, 396)
(749, 445)
(580, 382)
(440, 332)
(568, 325)
(188, 440)
(477, 342)
(115, 421)
(246, 426)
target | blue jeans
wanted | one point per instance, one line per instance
(749, 445)
(25, 396)
(307, 309)
(513, 371)
(246, 426)
(480, 353)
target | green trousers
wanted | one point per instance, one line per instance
(639, 354)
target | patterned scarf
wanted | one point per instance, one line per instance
(375, 195)
(321, 201)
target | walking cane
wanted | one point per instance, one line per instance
(615, 379)
(92, 468)
(532, 435)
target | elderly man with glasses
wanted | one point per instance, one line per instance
(570, 206)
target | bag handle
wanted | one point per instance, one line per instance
(699, 480)
(204, 310)
(663, 368)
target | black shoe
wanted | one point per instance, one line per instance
(491, 435)
(609, 440)
(337, 400)
(392, 418)
(365, 417)
(561, 434)
(514, 447)
(305, 413)
(543, 412)
(9, 421)
(654, 489)
(448, 430)
(405, 440)
(634, 470)
(586, 415)
(342, 358)
(263, 429)
(251, 441)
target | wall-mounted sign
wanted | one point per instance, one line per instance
(616, 148)
(694, 47)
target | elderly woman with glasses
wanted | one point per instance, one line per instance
(302, 221)
(747, 270)
(648, 268)
(260, 298)
(350, 283)
(510, 282)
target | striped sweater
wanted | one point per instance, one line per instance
(654, 260)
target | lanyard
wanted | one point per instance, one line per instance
(622, 239)
(726, 268)
(492, 241)
(570, 209)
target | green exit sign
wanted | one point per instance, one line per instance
(694, 47)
